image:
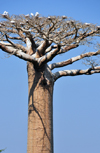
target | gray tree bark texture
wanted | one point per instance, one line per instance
(40, 111)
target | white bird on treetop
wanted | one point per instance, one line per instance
(49, 17)
(5, 13)
(87, 24)
(37, 14)
(27, 15)
(12, 21)
(64, 17)
(98, 27)
(32, 14)
(21, 23)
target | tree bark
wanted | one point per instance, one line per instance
(40, 110)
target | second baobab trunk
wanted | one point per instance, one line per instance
(40, 110)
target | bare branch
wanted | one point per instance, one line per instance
(31, 46)
(10, 30)
(89, 71)
(80, 38)
(50, 48)
(15, 38)
(85, 35)
(73, 59)
(11, 50)
(20, 33)
(67, 48)
(16, 46)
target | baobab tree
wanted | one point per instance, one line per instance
(38, 40)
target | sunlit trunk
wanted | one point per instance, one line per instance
(40, 111)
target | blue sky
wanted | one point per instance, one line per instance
(76, 99)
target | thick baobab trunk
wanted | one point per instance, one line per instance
(40, 111)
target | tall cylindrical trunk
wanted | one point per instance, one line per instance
(40, 111)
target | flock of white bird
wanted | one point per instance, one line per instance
(5, 14)
(36, 14)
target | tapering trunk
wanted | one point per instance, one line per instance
(40, 110)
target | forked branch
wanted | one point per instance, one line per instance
(49, 56)
(41, 49)
(16, 46)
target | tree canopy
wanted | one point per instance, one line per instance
(47, 37)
